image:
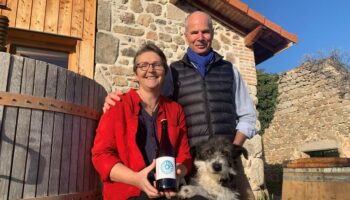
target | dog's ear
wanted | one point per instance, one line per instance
(238, 151)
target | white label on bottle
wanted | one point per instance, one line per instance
(165, 167)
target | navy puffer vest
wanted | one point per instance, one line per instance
(208, 102)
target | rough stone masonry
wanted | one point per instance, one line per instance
(313, 113)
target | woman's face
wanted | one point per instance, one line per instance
(150, 72)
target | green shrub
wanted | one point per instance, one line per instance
(267, 93)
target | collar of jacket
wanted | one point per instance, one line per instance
(136, 100)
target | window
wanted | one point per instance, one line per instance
(50, 56)
(52, 48)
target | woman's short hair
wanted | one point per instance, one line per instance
(150, 47)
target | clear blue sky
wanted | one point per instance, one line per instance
(321, 25)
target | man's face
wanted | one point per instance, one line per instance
(199, 35)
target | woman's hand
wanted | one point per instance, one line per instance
(121, 173)
(110, 100)
(145, 185)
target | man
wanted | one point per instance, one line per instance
(211, 91)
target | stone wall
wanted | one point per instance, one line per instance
(124, 25)
(314, 107)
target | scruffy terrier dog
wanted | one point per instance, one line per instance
(214, 170)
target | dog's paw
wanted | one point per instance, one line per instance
(186, 191)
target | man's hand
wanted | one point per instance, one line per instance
(110, 100)
(239, 138)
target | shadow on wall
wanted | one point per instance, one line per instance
(274, 179)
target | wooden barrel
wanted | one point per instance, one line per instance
(48, 117)
(317, 179)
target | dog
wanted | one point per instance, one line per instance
(214, 173)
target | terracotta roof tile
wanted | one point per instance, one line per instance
(257, 16)
(239, 5)
(290, 36)
(273, 26)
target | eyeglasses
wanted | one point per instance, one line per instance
(145, 65)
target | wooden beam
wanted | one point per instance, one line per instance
(37, 19)
(282, 46)
(42, 40)
(220, 17)
(253, 36)
(264, 43)
(266, 46)
(3, 4)
(51, 16)
(65, 17)
(87, 45)
(23, 16)
(277, 48)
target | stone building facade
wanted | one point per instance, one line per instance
(313, 113)
(124, 25)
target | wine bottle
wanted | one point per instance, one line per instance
(165, 162)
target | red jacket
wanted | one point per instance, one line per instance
(115, 141)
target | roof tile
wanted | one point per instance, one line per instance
(239, 5)
(255, 15)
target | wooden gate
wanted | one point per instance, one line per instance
(48, 117)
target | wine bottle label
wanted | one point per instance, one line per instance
(165, 167)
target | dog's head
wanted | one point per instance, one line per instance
(216, 156)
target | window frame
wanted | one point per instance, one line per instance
(41, 40)
(15, 49)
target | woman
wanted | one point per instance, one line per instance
(128, 134)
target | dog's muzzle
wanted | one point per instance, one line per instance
(217, 167)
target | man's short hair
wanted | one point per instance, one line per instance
(210, 21)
